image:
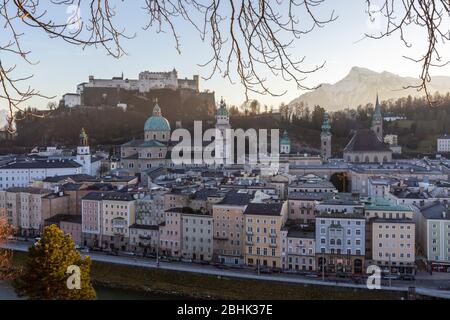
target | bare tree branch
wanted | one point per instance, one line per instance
(432, 16)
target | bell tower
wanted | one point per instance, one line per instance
(325, 138)
(377, 121)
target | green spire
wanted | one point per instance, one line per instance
(222, 108)
(326, 127)
(377, 111)
(285, 138)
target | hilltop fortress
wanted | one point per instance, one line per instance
(147, 82)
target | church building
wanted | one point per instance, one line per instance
(141, 154)
(367, 145)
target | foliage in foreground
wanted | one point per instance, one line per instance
(45, 274)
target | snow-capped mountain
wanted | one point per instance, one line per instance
(360, 87)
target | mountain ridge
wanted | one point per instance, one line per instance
(361, 85)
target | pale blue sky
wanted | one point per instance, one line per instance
(63, 66)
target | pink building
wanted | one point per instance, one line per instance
(302, 206)
(91, 222)
(69, 223)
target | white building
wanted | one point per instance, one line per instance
(340, 242)
(197, 233)
(24, 173)
(443, 143)
(90, 164)
(72, 100)
(147, 81)
(222, 125)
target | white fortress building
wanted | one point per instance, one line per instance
(147, 81)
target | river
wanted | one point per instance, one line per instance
(7, 293)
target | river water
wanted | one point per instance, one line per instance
(7, 293)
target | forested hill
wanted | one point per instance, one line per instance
(105, 122)
(417, 130)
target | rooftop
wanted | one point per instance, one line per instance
(436, 211)
(264, 209)
(366, 140)
(73, 218)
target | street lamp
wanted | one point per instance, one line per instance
(157, 249)
(390, 280)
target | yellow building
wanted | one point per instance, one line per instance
(118, 215)
(263, 241)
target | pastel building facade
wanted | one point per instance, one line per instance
(197, 233)
(263, 229)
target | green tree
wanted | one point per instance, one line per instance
(340, 181)
(46, 274)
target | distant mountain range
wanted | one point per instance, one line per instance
(360, 87)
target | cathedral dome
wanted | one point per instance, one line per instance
(157, 122)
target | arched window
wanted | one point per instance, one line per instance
(385, 159)
(375, 159)
(356, 158)
(366, 159)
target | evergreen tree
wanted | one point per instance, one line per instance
(46, 274)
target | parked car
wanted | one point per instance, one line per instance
(83, 249)
(113, 253)
(129, 253)
(391, 277)
(265, 270)
(277, 270)
(290, 271)
(408, 277)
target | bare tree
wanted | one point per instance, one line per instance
(246, 37)
(5, 255)
(432, 16)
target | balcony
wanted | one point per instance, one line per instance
(249, 233)
(249, 243)
(272, 245)
(273, 235)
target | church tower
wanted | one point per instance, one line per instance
(325, 138)
(222, 124)
(285, 143)
(377, 121)
(83, 146)
(83, 153)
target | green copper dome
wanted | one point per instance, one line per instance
(285, 139)
(326, 127)
(222, 111)
(157, 122)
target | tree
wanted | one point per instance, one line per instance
(234, 111)
(5, 255)
(340, 181)
(248, 38)
(46, 274)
